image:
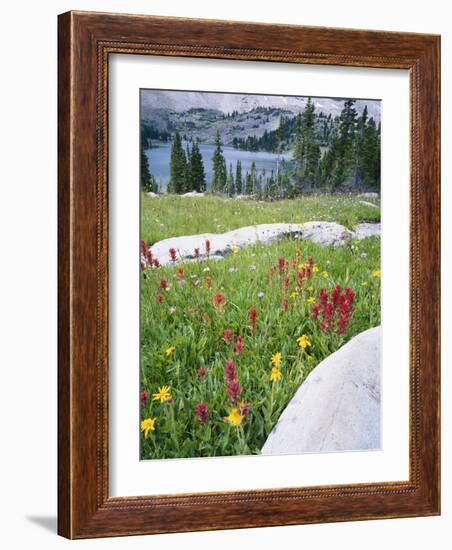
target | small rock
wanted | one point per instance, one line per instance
(193, 194)
(369, 195)
(364, 230)
(337, 407)
(151, 194)
(366, 203)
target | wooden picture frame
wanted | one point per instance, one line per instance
(85, 42)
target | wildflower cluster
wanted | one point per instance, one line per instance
(147, 259)
(334, 311)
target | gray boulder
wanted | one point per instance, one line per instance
(364, 230)
(323, 233)
(337, 407)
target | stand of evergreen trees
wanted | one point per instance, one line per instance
(329, 154)
(186, 168)
(147, 180)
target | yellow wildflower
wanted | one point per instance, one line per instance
(315, 269)
(234, 417)
(147, 425)
(170, 350)
(294, 294)
(275, 374)
(276, 359)
(310, 359)
(324, 274)
(376, 274)
(302, 266)
(364, 283)
(303, 341)
(310, 288)
(311, 300)
(163, 394)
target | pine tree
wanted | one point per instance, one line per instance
(178, 167)
(371, 157)
(238, 177)
(148, 183)
(343, 146)
(248, 184)
(253, 179)
(230, 187)
(272, 188)
(360, 137)
(219, 167)
(196, 169)
(307, 150)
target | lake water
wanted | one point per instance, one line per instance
(159, 160)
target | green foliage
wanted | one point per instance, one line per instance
(197, 177)
(178, 167)
(230, 185)
(172, 216)
(147, 181)
(219, 168)
(195, 328)
(307, 149)
(238, 178)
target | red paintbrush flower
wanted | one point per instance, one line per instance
(230, 373)
(244, 408)
(155, 262)
(334, 311)
(285, 304)
(219, 301)
(205, 317)
(163, 284)
(239, 345)
(143, 248)
(202, 412)
(301, 277)
(202, 372)
(207, 247)
(234, 390)
(173, 254)
(180, 272)
(281, 264)
(253, 318)
(159, 298)
(143, 396)
(196, 252)
(228, 334)
(286, 283)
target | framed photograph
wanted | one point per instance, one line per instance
(248, 275)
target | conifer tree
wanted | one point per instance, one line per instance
(371, 157)
(343, 144)
(148, 183)
(196, 169)
(360, 137)
(230, 188)
(248, 184)
(219, 167)
(178, 167)
(238, 177)
(307, 150)
(253, 179)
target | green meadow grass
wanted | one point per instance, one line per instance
(188, 321)
(174, 216)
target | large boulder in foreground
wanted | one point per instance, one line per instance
(320, 232)
(337, 408)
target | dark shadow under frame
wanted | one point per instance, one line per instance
(85, 42)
